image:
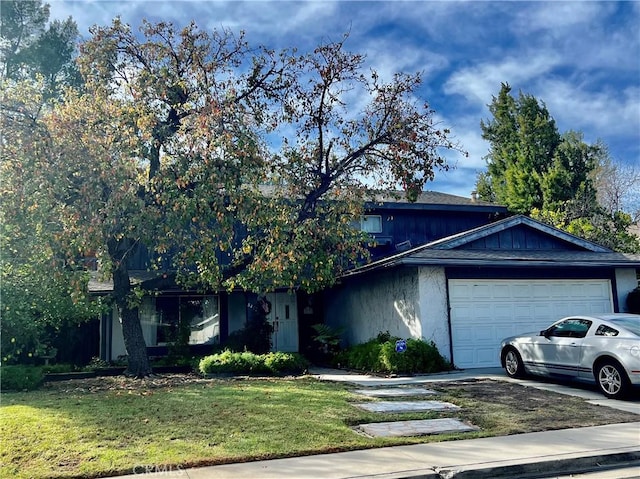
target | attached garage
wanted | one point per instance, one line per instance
(469, 291)
(483, 312)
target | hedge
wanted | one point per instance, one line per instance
(229, 362)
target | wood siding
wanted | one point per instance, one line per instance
(520, 238)
(421, 227)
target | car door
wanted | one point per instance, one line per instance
(562, 346)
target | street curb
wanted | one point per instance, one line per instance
(532, 470)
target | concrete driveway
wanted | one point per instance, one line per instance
(586, 391)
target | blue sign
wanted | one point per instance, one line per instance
(401, 346)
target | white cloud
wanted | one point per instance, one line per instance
(479, 82)
(606, 114)
(556, 17)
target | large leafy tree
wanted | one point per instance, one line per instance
(165, 148)
(534, 169)
(41, 290)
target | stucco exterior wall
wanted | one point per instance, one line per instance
(434, 309)
(626, 281)
(388, 301)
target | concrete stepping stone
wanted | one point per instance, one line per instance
(395, 392)
(415, 428)
(407, 406)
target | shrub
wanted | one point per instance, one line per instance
(379, 355)
(232, 362)
(20, 378)
(326, 342)
(365, 356)
(419, 357)
(250, 363)
(285, 363)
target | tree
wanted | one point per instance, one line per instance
(166, 149)
(558, 178)
(567, 183)
(618, 187)
(523, 138)
(41, 292)
(31, 47)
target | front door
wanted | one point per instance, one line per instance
(284, 319)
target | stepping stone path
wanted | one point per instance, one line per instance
(395, 392)
(415, 428)
(408, 428)
(407, 406)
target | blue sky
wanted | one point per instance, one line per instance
(581, 58)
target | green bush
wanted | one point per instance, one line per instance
(419, 357)
(379, 355)
(285, 363)
(229, 362)
(232, 362)
(365, 356)
(20, 378)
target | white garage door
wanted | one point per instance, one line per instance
(483, 312)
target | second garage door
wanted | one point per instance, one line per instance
(483, 312)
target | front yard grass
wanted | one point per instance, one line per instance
(80, 430)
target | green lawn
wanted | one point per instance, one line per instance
(83, 434)
(125, 426)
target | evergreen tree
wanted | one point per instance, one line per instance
(535, 170)
(31, 46)
(523, 138)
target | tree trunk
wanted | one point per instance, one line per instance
(137, 358)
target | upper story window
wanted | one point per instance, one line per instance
(371, 224)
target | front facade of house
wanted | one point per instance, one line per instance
(449, 269)
(210, 317)
(393, 224)
(468, 291)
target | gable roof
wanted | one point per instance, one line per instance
(454, 250)
(485, 231)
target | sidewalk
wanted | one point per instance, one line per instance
(518, 456)
(563, 451)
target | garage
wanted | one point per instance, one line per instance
(483, 312)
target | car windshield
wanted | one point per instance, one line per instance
(629, 323)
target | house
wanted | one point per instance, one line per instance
(467, 291)
(454, 270)
(393, 224)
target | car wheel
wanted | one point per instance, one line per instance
(513, 363)
(612, 380)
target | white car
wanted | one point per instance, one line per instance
(603, 348)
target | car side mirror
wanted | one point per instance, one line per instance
(545, 333)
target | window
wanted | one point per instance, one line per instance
(371, 224)
(604, 330)
(199, 316)
(571, 328)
